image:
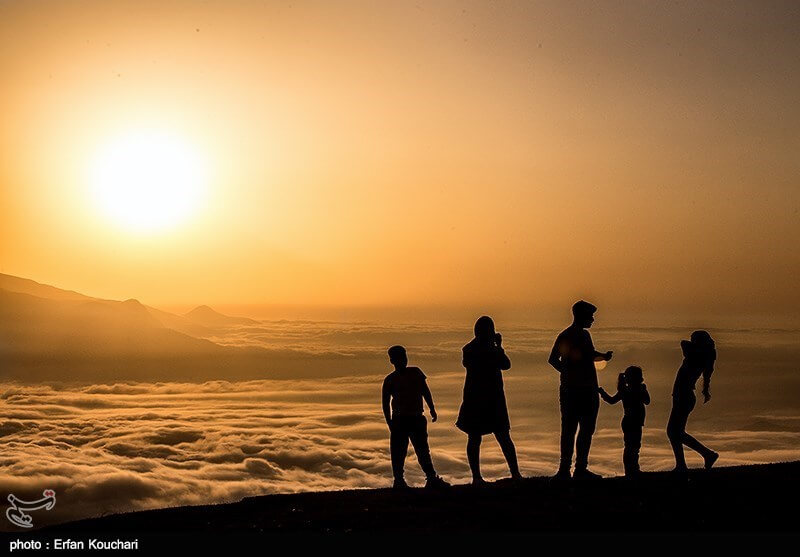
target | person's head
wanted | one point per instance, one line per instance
(703, 346)
(398, 357)
(634, 376)
(702, 339)
(583, 313)
(484, 328)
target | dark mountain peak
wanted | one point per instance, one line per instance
(210, 317)
(204, 311)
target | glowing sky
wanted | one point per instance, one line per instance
(415, 153)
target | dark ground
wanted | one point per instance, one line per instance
(759, 499)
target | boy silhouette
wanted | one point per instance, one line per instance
(405, 388)
(632, 391)
(573, 356)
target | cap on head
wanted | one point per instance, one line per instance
(583, 308)
(484, 327)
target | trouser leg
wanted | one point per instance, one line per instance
(590, 405)
(419, 439)
(569, 426)
(398, 442)
(696, 445)
(676, 429)
(633, 443)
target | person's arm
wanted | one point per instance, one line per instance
(596, 356)
(608, 398)
(555, 356)
(385, 398)
(645, 394)
(502, 359)
(600, 356)
(707, 382)
(426, 394)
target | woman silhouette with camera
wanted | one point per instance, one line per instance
(483, 409)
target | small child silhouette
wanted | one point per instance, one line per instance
(405, 388)
(632, 391)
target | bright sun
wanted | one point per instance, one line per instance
(148, 181)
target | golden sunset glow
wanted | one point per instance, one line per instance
(517, 156)
(147, 181)
(242, 241)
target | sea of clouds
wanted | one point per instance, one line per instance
(122, 446)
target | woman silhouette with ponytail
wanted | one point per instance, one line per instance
(699, 355)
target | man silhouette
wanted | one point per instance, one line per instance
(574, 356)
(405, 388)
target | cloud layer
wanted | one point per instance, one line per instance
(122, 446)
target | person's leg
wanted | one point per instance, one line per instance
(587, 420)
(398, 442)
(633, 443)
(708, 455)
(626, 451)
(419, 439)
(676, 430)
(696, 445)
(569, 426)
(509, 451)
(474, 456)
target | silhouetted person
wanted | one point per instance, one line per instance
(632, 391)
(483, 409)
(699, 355)
(573, 356)
(405, 388)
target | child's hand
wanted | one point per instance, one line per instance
(434, 416)
(608, 355)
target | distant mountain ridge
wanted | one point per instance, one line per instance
(28, 286)
(50, 334)
(204, 315)
(50, 331)
(196, 323)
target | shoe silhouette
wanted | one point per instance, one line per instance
(585, 474)
(562, 475)
(400, 484)
(680, 472)
(436, 482)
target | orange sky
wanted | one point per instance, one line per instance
(417, 153)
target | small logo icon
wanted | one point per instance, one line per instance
(16, 512)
